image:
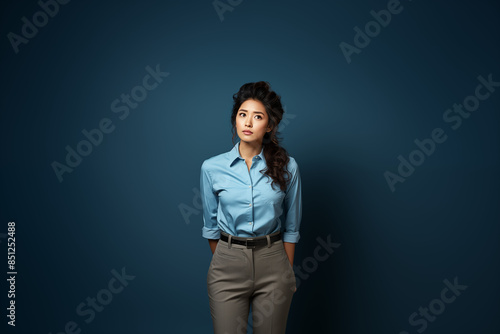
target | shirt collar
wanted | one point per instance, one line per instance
(234, 154)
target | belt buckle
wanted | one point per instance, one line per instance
(250, 245)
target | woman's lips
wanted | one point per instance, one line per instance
(247, 132)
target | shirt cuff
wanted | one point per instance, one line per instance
(210, 233)
(292, 237)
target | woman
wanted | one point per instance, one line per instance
(252, 209)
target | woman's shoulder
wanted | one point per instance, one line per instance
(292, 165)
(214, 161)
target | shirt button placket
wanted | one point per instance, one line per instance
(251, 199)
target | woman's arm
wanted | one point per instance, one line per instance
(213, 244)
(290, 251)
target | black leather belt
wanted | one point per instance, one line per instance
(251, 242)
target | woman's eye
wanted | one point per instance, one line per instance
(242, 114)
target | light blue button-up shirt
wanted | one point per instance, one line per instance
(242, 203)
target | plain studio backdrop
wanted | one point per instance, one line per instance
(109, 108)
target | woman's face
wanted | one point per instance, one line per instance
(252, 117)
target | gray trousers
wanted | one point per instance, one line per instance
(239, 276)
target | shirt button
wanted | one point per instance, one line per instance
(250, 223)
(250, 204)
(249, 186)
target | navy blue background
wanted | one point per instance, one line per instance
(347, 123)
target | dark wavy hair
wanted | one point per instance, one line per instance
(276, 156)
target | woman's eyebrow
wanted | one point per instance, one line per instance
(255, 112)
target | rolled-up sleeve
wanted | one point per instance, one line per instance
(293, 206)
(210, 203)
